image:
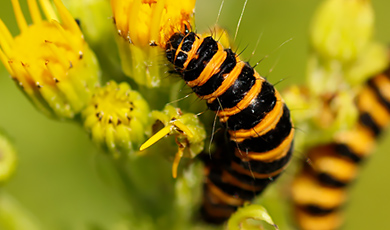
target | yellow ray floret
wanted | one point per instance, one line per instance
(49, 60)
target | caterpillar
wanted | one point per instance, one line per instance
(319, 189)
(256, 118)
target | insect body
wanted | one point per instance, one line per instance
(319, 190)
(255, 116)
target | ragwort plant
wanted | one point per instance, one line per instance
(101, 65)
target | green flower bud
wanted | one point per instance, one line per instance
(373, 60)
(254, 212)
(50, 61)
(342, 28)
(14, 216)
(93, 22)
(116, 118)
(7, 158)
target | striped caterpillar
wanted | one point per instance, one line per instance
(256, 118)
(319, 191)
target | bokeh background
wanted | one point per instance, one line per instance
(58, 177)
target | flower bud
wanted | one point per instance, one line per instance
(342, 28)
(116, 118)
(250, 212)
(7, 158)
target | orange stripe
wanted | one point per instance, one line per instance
(211, 68)
(360, 140)
(383, 84)
(330, 221)
(229, 79)
(228, 178)
(214, 211)
(245, 102)
(269, 122)
(236, 167)
(226, 198)
(306, 190)
(271, 155)
(325, 160)
(367, 102)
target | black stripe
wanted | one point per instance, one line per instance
(329, 180)
(259, 107)
(216, 80)
(237, 91)
(174, 41)
(344, 150)
(208, 217)
(205, 52)
(387, 73)
(265, 167)
(324, 178)
(378, 94)
(172, 45)
(215, 177)
(250, 180)
(188, 41)
(317, 211)
(271, 139)
(181, 57)
(366, 120)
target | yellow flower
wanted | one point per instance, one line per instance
(7, 158)
(144, 26)
(50, 60)
(117, 118)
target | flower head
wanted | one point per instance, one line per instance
(117, 118)
(144, 26)
(50, 60)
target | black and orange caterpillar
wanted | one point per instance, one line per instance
(319, 189)
(256, 118)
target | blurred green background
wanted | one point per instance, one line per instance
(57, 177)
